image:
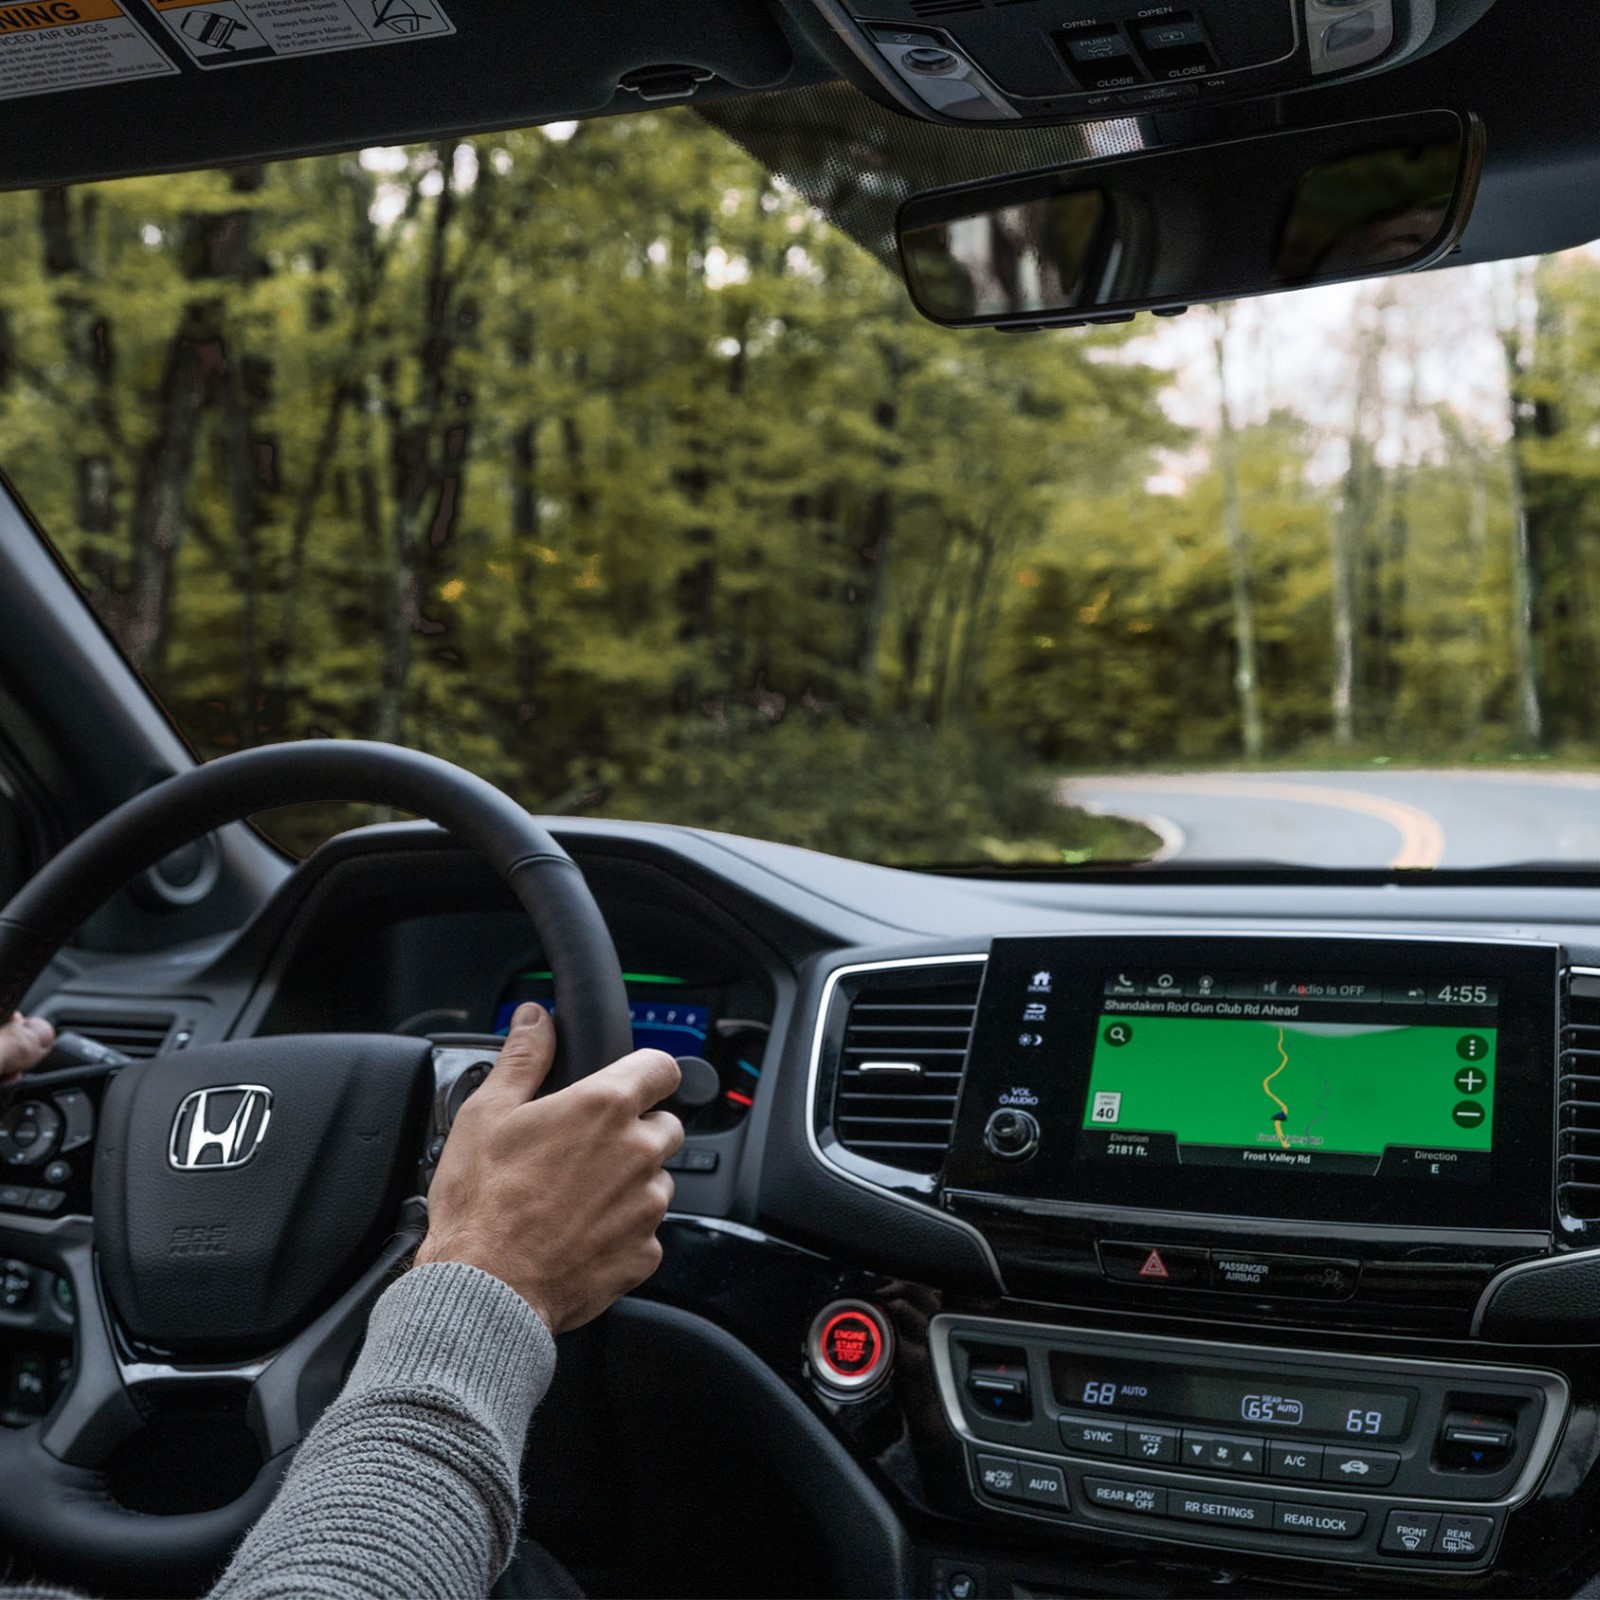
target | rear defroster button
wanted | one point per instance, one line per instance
(851, 1347)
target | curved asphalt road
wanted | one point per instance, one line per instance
(1387, 818)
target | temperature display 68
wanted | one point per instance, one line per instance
(1273, 1403)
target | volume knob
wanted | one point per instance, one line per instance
(1011, 1135)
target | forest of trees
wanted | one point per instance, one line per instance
(603, 465)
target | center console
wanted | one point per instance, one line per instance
(1272, 1218)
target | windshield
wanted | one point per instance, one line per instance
(593, 458)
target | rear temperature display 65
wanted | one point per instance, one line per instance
(1270, 1403)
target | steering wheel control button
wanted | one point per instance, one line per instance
(13, 1197)
(16, 1285)
(1044, 1485)
(1158, 1266)
(77, 1115)
(1090, 1436)
(58, 1172)
(1000, 1476)
(1320, 1522)
(1011, 1135)
(851, 1347)
(46, 1200)
(1110, 1495)
(1410, 1533)
(1294, 1461)
(1223, 1509)
(30, 1133)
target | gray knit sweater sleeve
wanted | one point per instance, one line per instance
(408, 1485)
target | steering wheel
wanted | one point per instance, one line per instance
(221, 1271)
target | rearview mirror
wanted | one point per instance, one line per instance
(1099, 241)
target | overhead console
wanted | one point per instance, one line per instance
(997, 61)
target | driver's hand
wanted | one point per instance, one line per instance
(24, 1043)
(560, 1197)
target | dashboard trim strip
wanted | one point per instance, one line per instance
(824, 1005)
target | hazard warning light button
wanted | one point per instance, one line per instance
(851, 1346)
(1158, 1265)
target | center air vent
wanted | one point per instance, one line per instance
(137, 1034)
(1578, 1170)
(905, 1044)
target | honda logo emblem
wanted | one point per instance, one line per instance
(220, 1127)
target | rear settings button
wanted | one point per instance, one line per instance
(1110, 1495)
(1224, 1510)
(1321, 1522)
(1158, 1266)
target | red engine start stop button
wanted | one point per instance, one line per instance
(851, 1346)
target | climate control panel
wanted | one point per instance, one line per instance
(1357, 1459)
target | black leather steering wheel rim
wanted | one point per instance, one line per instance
(589, 992)
(76, 1519)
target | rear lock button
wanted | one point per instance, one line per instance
(851, 1346)
(1319, 1522)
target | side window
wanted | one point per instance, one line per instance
(13, 840)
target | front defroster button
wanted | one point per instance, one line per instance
(1409, 1533)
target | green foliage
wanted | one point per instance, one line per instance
(604, 466)
(888, 793)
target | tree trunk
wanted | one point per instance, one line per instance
(1246, 676)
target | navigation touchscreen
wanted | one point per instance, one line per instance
(1295, 1073)
(1389, 1082)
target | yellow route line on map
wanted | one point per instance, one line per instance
(1266, 1084)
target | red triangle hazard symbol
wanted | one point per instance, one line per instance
(1154, 1266)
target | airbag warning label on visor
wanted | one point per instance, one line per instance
(232, 33)
(47, 46)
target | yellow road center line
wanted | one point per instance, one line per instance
(1266, 1083)
(1421, 835)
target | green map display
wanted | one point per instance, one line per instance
(1331, 1087)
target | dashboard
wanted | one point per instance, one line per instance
(1088, 1232)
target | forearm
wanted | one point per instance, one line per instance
(408, 1484)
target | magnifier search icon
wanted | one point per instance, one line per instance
(1119, 1033)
